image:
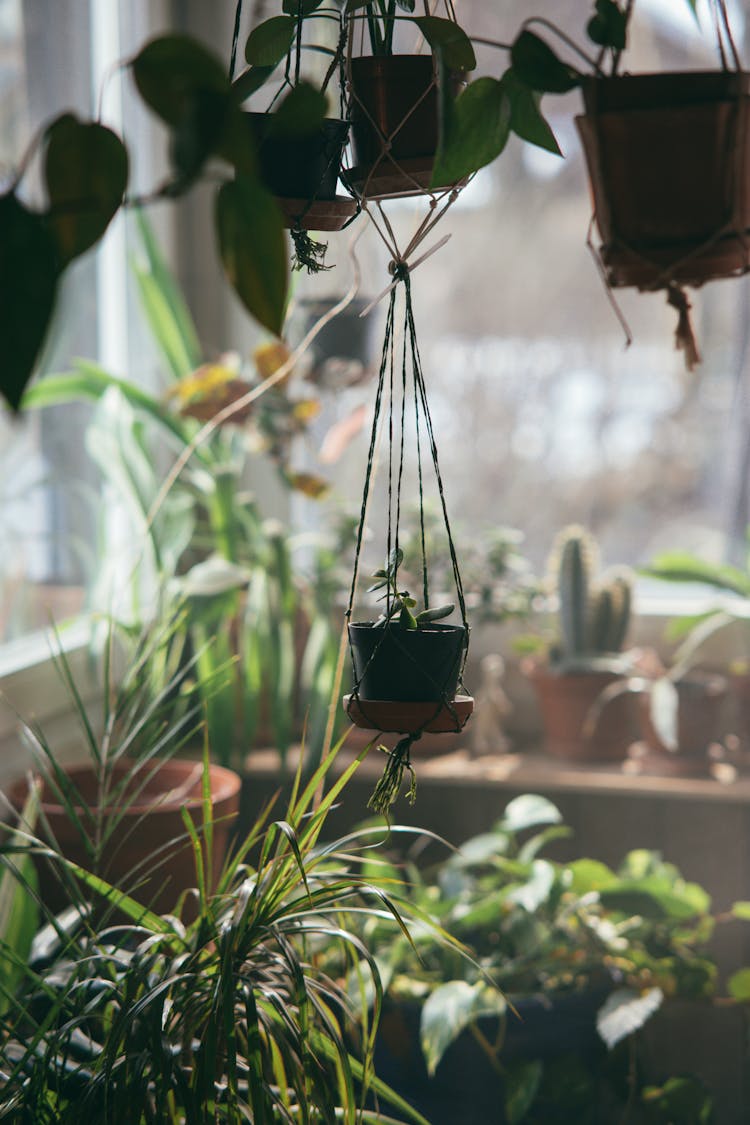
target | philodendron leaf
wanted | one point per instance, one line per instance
(449, 1010)
(475, 130)
(86, 173)
(608, 26)
(739, 985)
(529, 811)
(269, 42)
(251, 80)
(301, 113)
(250, 231)
(532, 894)
(29, 271)
(450, 40)
(522, 1081)
(526, 119)
(538, 66)
(625, 1011)
(170, 70)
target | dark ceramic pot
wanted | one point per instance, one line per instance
(305, 167)
(407, 665)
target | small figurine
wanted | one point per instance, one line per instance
(491, 709)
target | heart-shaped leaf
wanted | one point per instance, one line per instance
(625, 1011)
(449, 1010)
(171, 70)
(526, 119)
(269, 42)
(538, 66)
(608, 26)
(250, 231)
(300, 114)
(450, 40)
(475, 130)
(86, 173)
(29, 270)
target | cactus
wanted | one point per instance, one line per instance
(594, 613)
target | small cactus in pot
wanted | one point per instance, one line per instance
(587, 656)
(594, 611)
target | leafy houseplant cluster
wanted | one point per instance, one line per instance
(260, 631)
(584, 954)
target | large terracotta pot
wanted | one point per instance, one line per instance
(148, 852)
(668, 158)
(580, 724)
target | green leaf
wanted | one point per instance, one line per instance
(608, 26)
(475, 130)
(529, 811)
(246, 84)
(436, 614)
(28, 286)
(739, 985)
(741, 910)
(538, 66)
(250, 229)
(201, 131)
(625, 1011)
(680, 566)
(19, 913)
(684, 1101)
(534, 893)
(269, 42)
(449, 1010)
(451, 41)
(170, 70)
(590, 875)
(300, 114)
(522, 1081)
(86, 173)
(526, 119)
(166, 309)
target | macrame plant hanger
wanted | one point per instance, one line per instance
(440, 703)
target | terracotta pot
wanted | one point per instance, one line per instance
(700, 699)
(567, 702)
(395, 99)
(668, 157)
(151, 821)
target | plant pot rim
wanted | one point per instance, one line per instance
(433, 627)
(183, 790)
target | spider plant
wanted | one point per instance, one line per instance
(228, 1017)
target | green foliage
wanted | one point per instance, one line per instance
(222, 1014)
(635, 936)
(399, 603)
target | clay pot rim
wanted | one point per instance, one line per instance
(225, 784)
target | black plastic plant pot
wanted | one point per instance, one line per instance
(305, 167)
(407, 665)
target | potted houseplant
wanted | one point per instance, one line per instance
(205, 547)
(394, 97)
(226, 1015)
(665, 153)
(119, 810)
(585, 657)
(300, 148)
(584, 957)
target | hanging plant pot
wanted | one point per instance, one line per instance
(303, 172)
(668, 158)
(407, 678)
(394, 112)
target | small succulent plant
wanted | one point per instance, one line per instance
(399, 603)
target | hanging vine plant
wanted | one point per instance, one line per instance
(408, 663)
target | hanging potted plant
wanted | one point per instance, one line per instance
(394, 97)
(666, 154)
(585, 657)
(299, 146)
